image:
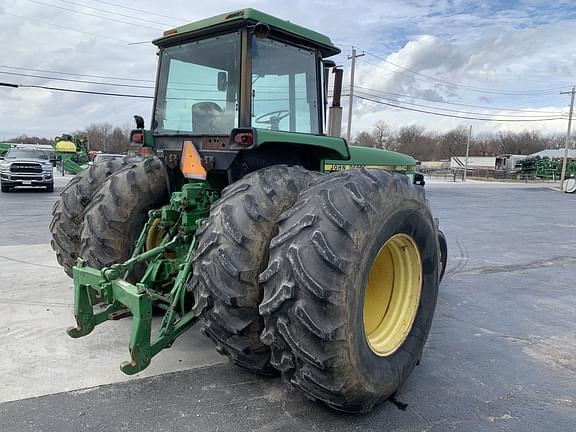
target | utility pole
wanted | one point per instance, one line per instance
(351, 97)
(565, 161)
(467, 151)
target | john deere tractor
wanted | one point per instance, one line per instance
(298, 254)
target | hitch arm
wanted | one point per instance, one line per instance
(119, 294)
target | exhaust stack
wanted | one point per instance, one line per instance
(335, 116)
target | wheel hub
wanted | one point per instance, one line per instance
(392, 294)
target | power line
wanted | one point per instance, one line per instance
(75, 74)
(116, 13)
(456, 103)
(2, 84)
(200, 84)
(170, 88)
(539, 118)
(452, 110)
(63, 28)
(61, 89)
(140, 10)
(454, 116)
(95, 16)
(74, 80)
(463, 86)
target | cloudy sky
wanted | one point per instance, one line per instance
(499, 60)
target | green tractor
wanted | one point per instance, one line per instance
(298, 254)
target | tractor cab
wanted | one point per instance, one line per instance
(244, 80)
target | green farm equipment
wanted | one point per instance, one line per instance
(297, 253)
(4, 147)
(545, 168)
(72, 152)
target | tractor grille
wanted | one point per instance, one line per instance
(26, 168)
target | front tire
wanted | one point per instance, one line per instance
(351, 287)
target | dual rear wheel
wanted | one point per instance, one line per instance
(347, 284)
(330, 280)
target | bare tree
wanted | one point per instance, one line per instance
(453, 143)
(382, 135)
(412, 141)
(107, 138)
(365, 139)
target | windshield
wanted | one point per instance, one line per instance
(198, 87)
(284, 87)
(27, 154)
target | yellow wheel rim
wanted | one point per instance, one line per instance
(154, 235)
(392, 294)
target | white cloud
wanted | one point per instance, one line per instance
(462, 42)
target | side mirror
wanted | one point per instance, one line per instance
(139, 122)
(222, 81)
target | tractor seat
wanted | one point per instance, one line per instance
(205, 117)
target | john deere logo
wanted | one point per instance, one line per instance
(329, 167)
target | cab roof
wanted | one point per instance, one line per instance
(245, 17)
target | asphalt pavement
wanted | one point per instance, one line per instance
(501, 355)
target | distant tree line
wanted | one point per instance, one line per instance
(414, 140)
(25, 139)
(427, 145)
(103, 137)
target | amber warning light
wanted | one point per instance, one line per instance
(191, 163)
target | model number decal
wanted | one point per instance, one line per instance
(328, 167)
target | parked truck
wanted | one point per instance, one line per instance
(297, 254)
(27, 165)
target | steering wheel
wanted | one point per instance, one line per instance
(272, 118)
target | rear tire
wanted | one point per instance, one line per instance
(325, 333)
(115, 217)
(232, 251)
(68, 211)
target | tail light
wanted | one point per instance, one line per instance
(137, 136)
(244, 138)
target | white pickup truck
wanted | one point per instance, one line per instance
(26, 166)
